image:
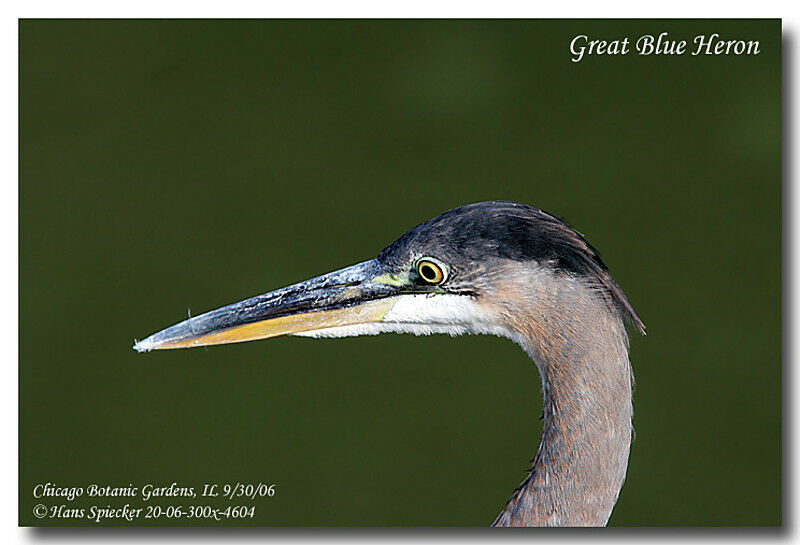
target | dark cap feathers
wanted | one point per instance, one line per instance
(511, 230)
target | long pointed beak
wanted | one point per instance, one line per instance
(345, 297)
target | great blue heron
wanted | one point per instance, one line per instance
(499, 268)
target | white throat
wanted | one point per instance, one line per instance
(424, 315)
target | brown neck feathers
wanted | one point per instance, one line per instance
(580, 347)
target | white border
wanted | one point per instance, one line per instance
(9, 235)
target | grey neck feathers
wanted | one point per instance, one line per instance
(581, 349)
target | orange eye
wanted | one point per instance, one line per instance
(431, 272)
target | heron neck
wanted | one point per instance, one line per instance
(586, 376)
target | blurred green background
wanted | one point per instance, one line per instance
(167, 165)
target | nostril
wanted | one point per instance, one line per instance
(340, 285)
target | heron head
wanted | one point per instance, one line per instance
(460, 272)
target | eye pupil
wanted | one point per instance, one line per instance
(430, 272)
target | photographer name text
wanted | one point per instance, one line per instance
(583, 45)
(106, 504)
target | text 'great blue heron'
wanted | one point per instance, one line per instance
(499, 268)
